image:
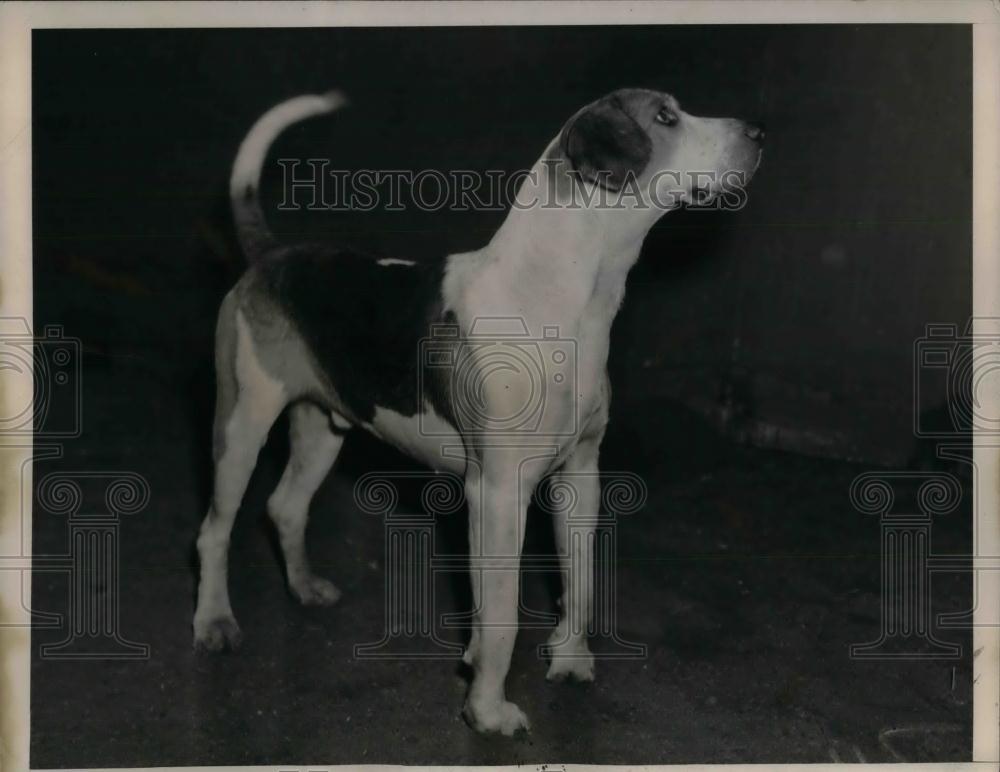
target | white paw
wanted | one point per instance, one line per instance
(579, 667)
(500, 716)
(315, 591)
(217, 633)
(570, 659)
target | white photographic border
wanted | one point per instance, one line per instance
(18, 19)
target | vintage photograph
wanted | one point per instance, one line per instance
(494, 395)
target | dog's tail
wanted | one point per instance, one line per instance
(251, 225)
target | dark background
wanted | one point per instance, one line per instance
(788, 326)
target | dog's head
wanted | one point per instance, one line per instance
(642, 138)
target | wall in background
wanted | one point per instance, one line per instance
(790, 323)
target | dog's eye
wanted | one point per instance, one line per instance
(666, 117)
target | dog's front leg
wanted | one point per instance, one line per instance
(497, 494)
(567, 646)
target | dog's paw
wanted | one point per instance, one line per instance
(579, 667)
(502, 716)
(217, 634)
(315, 591)
(569, 659)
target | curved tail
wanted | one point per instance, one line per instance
(251, 225)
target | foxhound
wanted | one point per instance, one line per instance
(348, 341)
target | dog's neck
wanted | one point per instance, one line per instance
(566, 250)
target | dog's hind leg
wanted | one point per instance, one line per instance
(314, 448)
(248, 402)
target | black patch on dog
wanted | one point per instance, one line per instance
(365, 324)
(605, 144)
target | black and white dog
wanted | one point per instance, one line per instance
(339, 337)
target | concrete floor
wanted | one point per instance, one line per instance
(747, 575)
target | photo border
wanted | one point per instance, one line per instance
(18, 19)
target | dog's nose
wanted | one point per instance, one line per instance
(754, 131)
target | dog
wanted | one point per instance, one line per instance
(336, 337)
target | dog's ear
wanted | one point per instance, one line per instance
(605, 144)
